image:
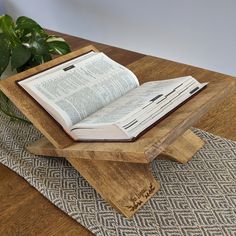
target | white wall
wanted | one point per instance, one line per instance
(2, 10)
(197, 32)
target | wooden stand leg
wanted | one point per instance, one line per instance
(126, 186)
(183, 148)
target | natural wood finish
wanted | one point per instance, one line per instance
(126, 186)
(144, 149)
(44, 218)
(221, 119)
(153, 142)
(183, 148)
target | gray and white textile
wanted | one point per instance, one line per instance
(198, 198)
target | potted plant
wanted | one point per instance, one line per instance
(24, 44)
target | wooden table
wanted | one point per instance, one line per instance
(18, 217)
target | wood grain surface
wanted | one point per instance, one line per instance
(126, 186)
(142, 150)
(24, 211)
(183, 148)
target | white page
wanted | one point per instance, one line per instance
(133, 100)
(155, 111)
(73, 94)
(136, 106)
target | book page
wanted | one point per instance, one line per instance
(80, 87)
(142, 106)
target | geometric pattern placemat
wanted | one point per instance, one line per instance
(198, 198)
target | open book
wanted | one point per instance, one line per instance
(94, 98)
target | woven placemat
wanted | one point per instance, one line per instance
(198, 198)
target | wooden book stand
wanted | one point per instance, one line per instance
(120, 172)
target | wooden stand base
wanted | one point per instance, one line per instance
(125, 185)
(183, 148)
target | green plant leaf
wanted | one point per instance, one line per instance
(40, 59)
(38, 44)
(25, 25)
(5, 52)
(1, 23)
(20, 55)
(58, 47)
(52, 38)
(7, 24)
(8, 27)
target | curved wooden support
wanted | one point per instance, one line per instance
(126, 186)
